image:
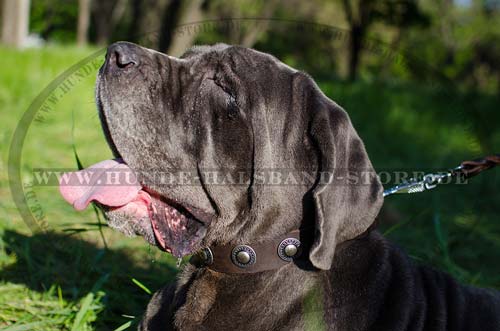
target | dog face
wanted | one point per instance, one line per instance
(219, 121)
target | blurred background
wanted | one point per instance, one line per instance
(420, 80)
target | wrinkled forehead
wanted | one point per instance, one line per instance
(240, 59)
(197, 51)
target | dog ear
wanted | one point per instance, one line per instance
(347, 194)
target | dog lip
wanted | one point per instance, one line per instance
(197, 213)
(176, 229)
(191, 213)
(175, 234)
(194, 213)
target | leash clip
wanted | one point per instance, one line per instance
(432, 180)
(428, 182)
(411, 186)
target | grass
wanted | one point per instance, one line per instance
(67, 279)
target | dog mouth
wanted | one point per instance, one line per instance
(178, 228)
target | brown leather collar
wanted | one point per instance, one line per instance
(250, 258)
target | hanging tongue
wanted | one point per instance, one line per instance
(110, 182)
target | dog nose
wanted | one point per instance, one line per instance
(122, 55)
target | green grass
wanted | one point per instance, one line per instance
(66, 279)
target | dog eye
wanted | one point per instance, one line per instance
(231, 101)
(232, 106)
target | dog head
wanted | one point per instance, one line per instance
(220, 142)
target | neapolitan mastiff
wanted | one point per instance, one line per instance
(286, 256)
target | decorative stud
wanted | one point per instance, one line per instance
(202, 258)
(207, 256)
(243, 256)
(288, 249)
(291, 250)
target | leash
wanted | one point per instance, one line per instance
(465, 170)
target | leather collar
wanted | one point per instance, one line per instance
(251, 258)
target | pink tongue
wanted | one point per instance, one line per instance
(109, 182)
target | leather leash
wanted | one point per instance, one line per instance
(474, 167)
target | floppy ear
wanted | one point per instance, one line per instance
(347, 195)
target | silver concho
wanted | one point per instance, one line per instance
(243, 256)
(288, 249)
(202, 258)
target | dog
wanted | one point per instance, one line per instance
(298, 255)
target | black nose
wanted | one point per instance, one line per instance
(122, 55)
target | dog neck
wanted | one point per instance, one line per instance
(201, 290)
